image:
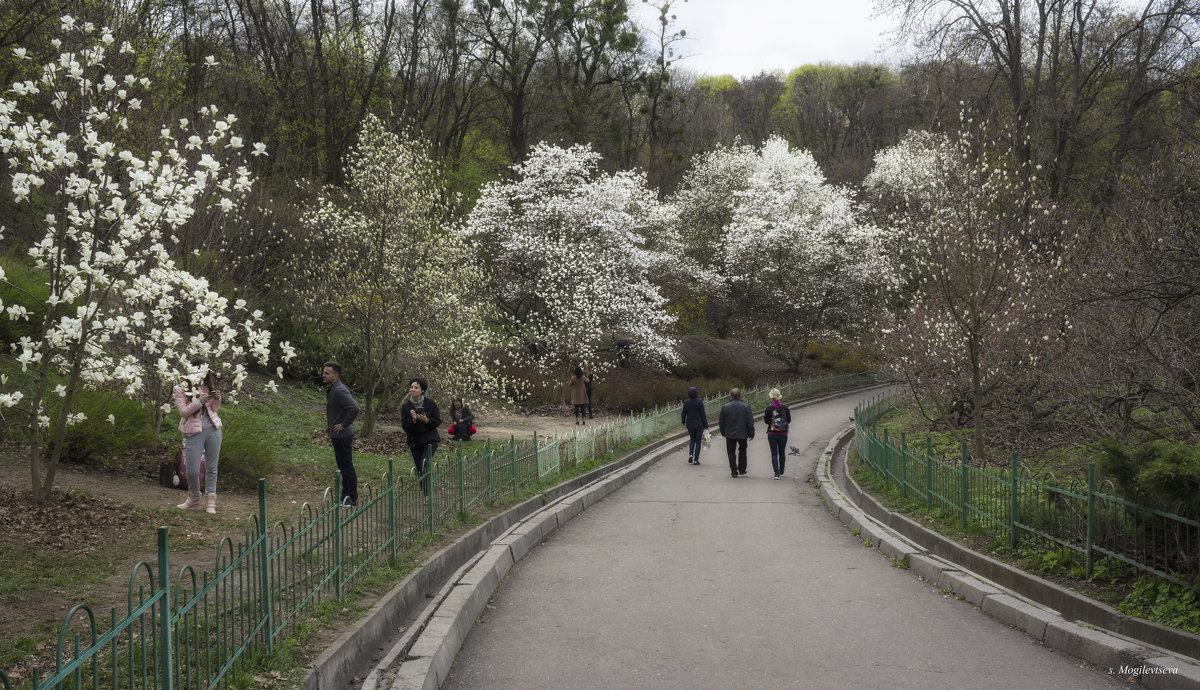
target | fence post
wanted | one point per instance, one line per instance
(264, 554)
(1012, 502)
(487, 459)
(962, 491)
(513, 466)
(928, 473)
(164, 580)
(887, 460)
(537, 463)
(337, 535)
(1091, 518)
(391, 508)
(904, 463)
(462, 485)
(512, 452)
(427, 482)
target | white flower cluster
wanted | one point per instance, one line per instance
(570, 262)
(778, 248)
(981, 264)
(117, 307)
(390, 271)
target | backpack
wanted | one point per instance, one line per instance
(779, 422)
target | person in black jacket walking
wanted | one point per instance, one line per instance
(340, 413)
(695, 419)
(737, 426)
(420, 419)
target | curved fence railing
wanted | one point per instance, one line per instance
(1076, 515)
(202, 629)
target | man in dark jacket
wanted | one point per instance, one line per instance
(696, 420)
(340, 413)
(737, 426)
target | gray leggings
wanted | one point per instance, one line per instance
(208, 444)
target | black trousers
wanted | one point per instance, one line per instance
(736, 448)
(421, 463)
(345, 463)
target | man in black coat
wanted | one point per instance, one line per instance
(340, 413)
(737, 426)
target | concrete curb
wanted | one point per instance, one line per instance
(358, 648)
(427, 661)
(1141, 658)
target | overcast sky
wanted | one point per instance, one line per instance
(744, 37)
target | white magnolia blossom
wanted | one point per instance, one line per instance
(390, 271)
(979, 270)
(116, 303)
(782, 254)
(570, 262)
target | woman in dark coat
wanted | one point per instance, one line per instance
(420, 418)
(579, 396)
(461, 419)
(589, 379)
(696, 420)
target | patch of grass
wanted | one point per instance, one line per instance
(901, 563)
(26, 572)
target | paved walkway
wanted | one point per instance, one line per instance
(687, 578)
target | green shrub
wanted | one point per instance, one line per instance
(838, 357)
(1163, 602)
(1165, 474)
(248, 451)
(24, 282)
(96, 440)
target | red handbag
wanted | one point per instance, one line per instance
(181, 481)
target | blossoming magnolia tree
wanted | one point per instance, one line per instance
(699, 213)
(113, 298)
(569, 261)
(799, 262)
(778, 253)
(389, 270)
(979, 315)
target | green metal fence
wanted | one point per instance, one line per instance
(202, 629)
(1075, 515)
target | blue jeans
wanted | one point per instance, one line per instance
(695, 442)
(207, 445)
(778, 444)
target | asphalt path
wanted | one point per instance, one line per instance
(688, 578)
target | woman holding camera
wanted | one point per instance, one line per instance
(201, 429)
(420, 418)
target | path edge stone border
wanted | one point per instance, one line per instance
(1155, 656)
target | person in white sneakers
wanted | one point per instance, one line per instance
(201, 429)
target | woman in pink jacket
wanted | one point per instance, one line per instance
(201, 428)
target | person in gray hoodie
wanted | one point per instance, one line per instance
(737, 426)
(695, 419)
(340, 413)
